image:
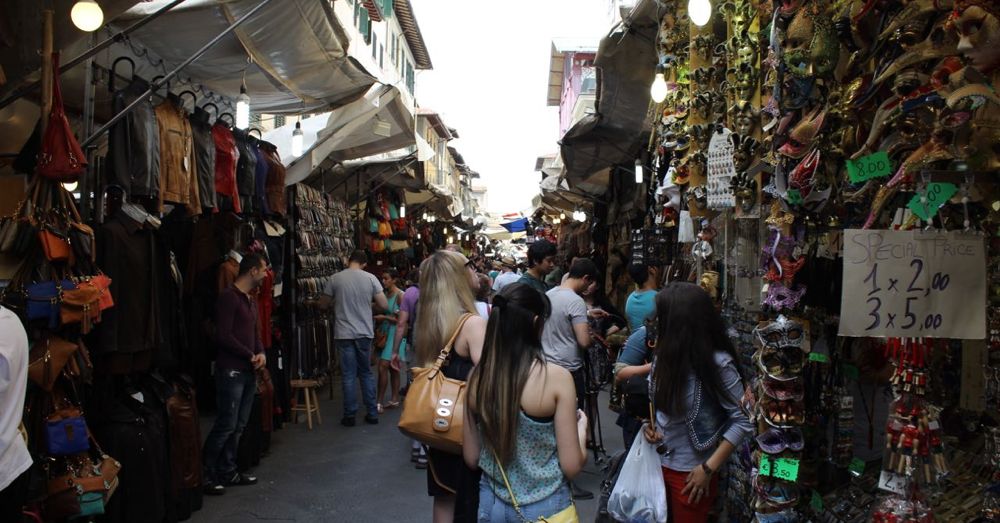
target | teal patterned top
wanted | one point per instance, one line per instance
(534, 471)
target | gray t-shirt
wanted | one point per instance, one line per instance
(558, 338)
(353, 291)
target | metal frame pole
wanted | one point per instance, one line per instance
(86, 55)
(88, 128)
(155, 86)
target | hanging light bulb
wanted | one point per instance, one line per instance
(70, 186)
(87, 15)
(243, 108)
(562, 216)
(638, 171)
(418, 235)
(658, 91)
(402, 210)
(424, 216)
(297, 139)
(700, 11)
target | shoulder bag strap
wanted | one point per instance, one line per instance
(513, 499)
(447, 348)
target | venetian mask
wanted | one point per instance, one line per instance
(978, 27)
(811, 47)
(744, 191)
(744, 118)
(781, 333)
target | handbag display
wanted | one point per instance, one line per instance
(566, 515)
(81, 305)
(66, 432)
(55, 244)
(43, 300)
(60, 158)
(434, 409)
(48, 360)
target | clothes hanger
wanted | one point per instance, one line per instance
(194, 99)
(114, 73)
(231, 121)
(215, 111)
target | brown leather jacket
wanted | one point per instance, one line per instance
(178, 172)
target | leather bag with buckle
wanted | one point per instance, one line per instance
(66, 432)
(81, 305)
(48, 359)
(60, 158)
(434, 410)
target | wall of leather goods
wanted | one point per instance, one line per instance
(831, 170)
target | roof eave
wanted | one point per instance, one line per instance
(411, 30)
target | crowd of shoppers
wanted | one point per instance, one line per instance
(520, 346)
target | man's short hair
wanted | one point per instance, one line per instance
(359, 257)
(583, 268)
(249, 262)
(639, 273)
(540, 250)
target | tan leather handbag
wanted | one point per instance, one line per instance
(434, 410)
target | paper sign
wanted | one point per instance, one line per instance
(913, 284)
(764, 469)
(892, 482)
(857, 467)
(937, 194)
(793, 196)
(819, 357)
(867, 167)
(786, 469)
(816, 502)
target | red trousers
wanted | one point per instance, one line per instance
(681, 511)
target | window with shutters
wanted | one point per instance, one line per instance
(374, 42)
(381, 57)
(410, 81)
(365, 26)
(279, 121)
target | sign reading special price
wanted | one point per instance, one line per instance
(913, 283)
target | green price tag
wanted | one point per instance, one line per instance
(937, 195)
(850, 371)
(786, 469)
(819, 357)
(816, 502)
(793, 196)
(765, 465)
(867, 167)
(857, 467)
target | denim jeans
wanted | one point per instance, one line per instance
(494, 509)
(354, 364)
(234, 392)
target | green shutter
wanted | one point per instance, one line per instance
(366, 26)
(387, 9)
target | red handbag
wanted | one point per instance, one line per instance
(60, 157)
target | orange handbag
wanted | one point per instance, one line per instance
(81, 305)
(102, 283)
(54, 243)
(434, 409)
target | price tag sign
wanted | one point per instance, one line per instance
(786, 469)
(816, 502)
(913, 284)
(857, 467)
(867, 167)
(925, 205)
(793, 196)
(764, 469)
(892, 482)
(819, 357)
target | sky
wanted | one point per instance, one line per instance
(489, 82)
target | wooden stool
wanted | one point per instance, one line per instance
(311, 401)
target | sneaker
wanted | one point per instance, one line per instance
(213, 489)
(422, 461)
(347, 421)
(579, 493)
(414, 455)
(240, 480)
(371, 420)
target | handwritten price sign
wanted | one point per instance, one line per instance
(913, 283)
(926, 204)
(867, 167)
(786, 469)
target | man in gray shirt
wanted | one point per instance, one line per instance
(353, 291)
(567, 331)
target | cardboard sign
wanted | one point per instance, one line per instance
(913, 284)
(857, 467)
(925, 205)
(867, 167)
(786, 469)
(793, 196)
(892, 482)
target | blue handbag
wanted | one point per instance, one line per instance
(66, 432)
(43, 300)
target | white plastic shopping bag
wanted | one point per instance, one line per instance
(639, 495)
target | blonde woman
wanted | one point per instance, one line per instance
(447, 280)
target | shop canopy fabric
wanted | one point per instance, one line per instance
(516, 226)
(627, 62)
(292, 53)
(377, 123)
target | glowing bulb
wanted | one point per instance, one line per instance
(562, 216)
(451, 240)
(638, 172)
(418, 235)
(243, 108)
(87, 15)
(402, 211)
(658, 91)
(700, 11)
(70, 186)
(297, 140)
(424, 217)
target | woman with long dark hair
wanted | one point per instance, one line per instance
(523, 429)
(696, 390)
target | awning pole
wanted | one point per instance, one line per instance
(155, 86)
(117, 37)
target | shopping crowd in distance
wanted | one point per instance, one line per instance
(497, 370)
